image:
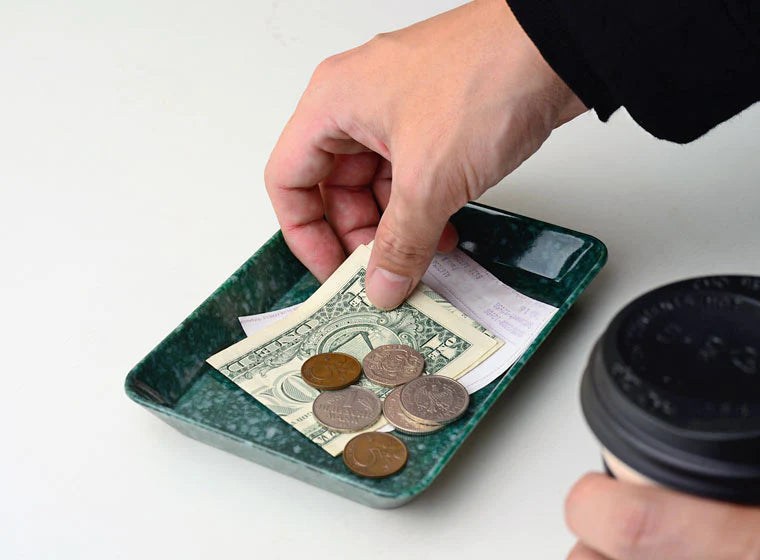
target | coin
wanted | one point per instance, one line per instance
(331, 371)
(375, 454)
(393, 364)
(348, 410)
(395, 415)
(434, 399)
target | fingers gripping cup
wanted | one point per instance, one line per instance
(672, 389)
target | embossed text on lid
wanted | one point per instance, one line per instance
(691, 356)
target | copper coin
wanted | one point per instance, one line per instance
(434, 399)
(375, 454)
(397, 418)
(349, 410)
(331, 371)
(392, 365)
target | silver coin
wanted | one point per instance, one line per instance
(397, 418)
(392, 365)
(347, 410)
(434, 399)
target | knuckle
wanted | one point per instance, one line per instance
(390, 46)
(327, 81)
(273, 179)
(327, 65)
(325, 69)
(383, 40)
(268, 176)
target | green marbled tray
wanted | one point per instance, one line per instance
(174, 382)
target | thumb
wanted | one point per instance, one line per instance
(631, 522)
(405, 243)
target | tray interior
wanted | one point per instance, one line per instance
(546, 262)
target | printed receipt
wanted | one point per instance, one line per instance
(509, 315)
(513, 317)
(255, 323)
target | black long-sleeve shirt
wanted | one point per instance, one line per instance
(679, 67)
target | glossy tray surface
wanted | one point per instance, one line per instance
(546, 262)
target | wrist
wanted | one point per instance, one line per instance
(563, 99)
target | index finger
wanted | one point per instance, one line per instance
(303, 156)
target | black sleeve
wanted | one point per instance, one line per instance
(679, 67)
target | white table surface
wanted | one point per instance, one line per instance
(133, 138)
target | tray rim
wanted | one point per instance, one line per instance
(133, 386)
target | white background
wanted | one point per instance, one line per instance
(133, 138)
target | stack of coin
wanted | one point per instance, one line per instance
(434, 399)
(417, 404)
(426, 404)
(395, 365)
(422, 406)
(399, 419)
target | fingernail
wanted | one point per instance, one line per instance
(387, 289)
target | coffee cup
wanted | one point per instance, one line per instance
(672, 389)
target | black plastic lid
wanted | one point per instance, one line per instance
(672, 388)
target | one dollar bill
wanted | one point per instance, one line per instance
(338, 317)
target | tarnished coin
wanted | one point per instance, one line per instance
(348, 410)
(392, 365)
(434, 399)
(398, 419)
(331, 371)
(375, 454)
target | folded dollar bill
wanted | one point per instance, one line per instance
(461, 285)
(338, 317)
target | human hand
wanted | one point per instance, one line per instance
(415, 124)
(616, 520)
